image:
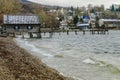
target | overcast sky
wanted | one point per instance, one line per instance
(76, 3)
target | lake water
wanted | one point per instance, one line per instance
(83, 57)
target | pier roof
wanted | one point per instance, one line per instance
(21, 19)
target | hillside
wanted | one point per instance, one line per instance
(28, 6)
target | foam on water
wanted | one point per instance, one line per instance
(95, 62)
(89, 61)
(32, 48)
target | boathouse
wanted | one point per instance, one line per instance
(14, 24)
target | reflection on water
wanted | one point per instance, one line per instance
(84, 57)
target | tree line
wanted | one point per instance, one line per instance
(9, 7)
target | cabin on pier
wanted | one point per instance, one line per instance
(14, 24)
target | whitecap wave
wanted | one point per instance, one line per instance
(89, 61)
(95, 62)
(31, 47)
(76, 78)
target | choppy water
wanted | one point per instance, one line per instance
(83, 57)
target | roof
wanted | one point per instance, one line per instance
(19, 19)
(85, 17)
(63, 23)
(110, 20)
(83, 24)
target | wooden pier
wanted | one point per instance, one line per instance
(51, 32)
(76, 31)
(24, 24)
(97, 31)
(91, 31)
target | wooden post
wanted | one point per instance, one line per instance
(44, 33)
(14, 34)
(23, 35)
(31, 35)
(102, 31)
(59, 33)
(83, 32)
(92, 31)
(67, 32)
(50, 34)
(107, 31)
(39, 33)
(75, 32)
(98, 31)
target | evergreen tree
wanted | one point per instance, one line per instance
(90, 25)
(81, 20)
(92, 11)
(112, 8)
(72, 9)
(75, 20)
(97, 22)
(119, 9)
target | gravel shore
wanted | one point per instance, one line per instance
(18, 64)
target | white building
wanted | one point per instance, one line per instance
(111, 23)
(63, 25)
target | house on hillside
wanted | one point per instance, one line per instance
(110, 23)
(63, 25)
(21, 24)
(82, 26)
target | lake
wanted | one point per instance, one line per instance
(83, 57)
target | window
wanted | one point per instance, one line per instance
(29, 27)
(16, 27)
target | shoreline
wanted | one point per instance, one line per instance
(18, 64)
